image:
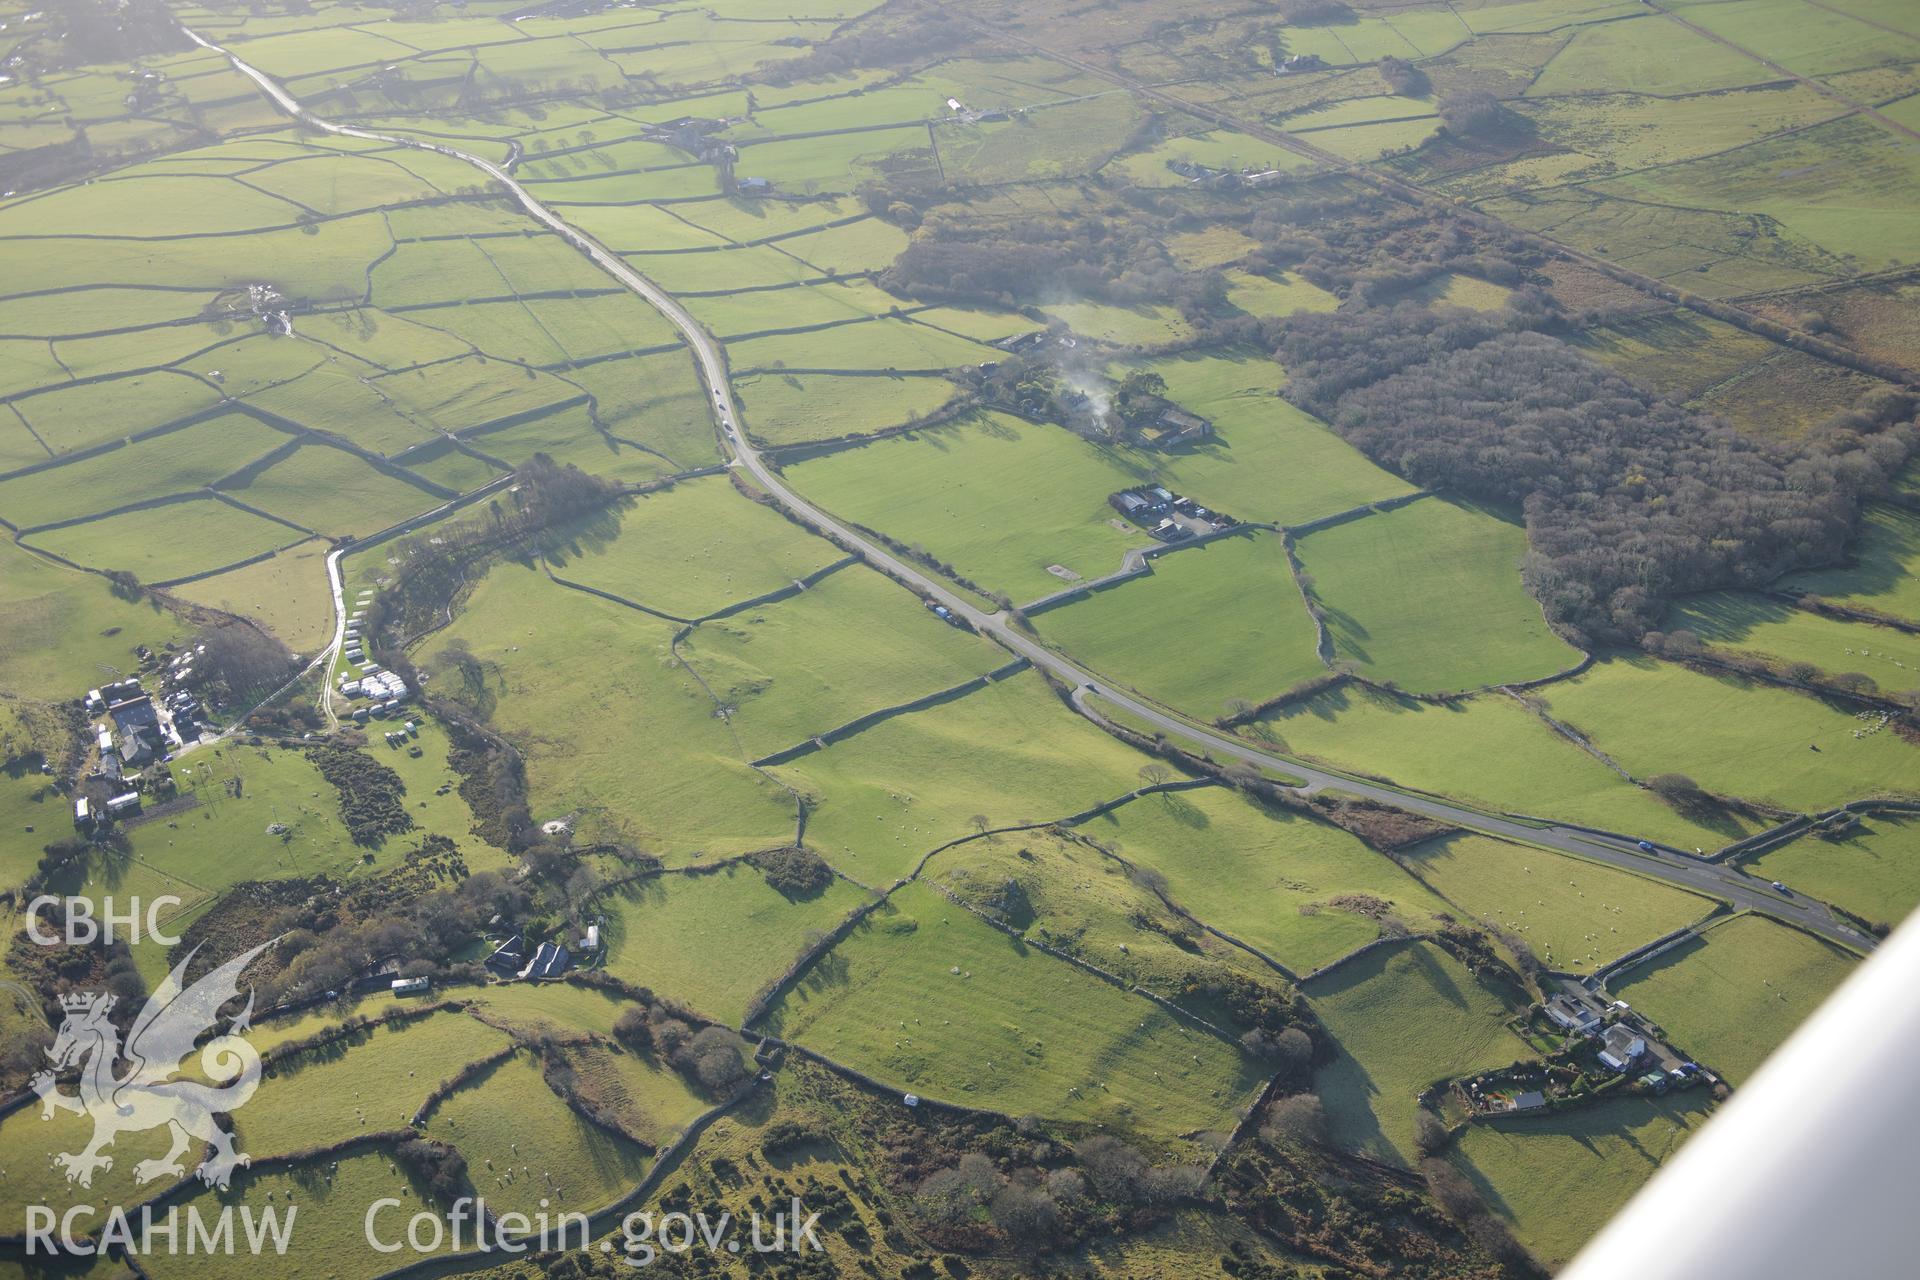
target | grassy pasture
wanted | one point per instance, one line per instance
(177, 462)
(168, 542)
(329, 264)
(1488, 750)
(65, 628)
(458, 395)
(158, 204)
(1730, 997)
(1429, 596)
(1643, 55)
(287, 594)
(1209, 247)
(333, 492)
(867, 245)
(1576, 915)
(31, 814)
(585, 736)
(1556, 1177)
(1146, 325)
(1009, 753)
(1209, 625)
(1266, 296)
(1072, 897)
(999, 498)
(524, 1145)
(223, 837)
(1286, 884)
(978, 324)
(714, 939)
(793, 408)
(329, 1208)
(374, 1081)
(1014, 1030)
(656, 401)
(1874, 872)
(1749, 623)
(1772, 29)
(1457, 290)
(1731, 735)
(690, 550)
(1885, 573)
(730, 314)
(722, 270)
(30, 1144)
(642, 228)
(1218, 149)
(569, 436)
(1404, 1018)
(70, 418)
(1839, 186)
(745, 220)
(456, 270)
(878, 344)
(1266, 460)
(832, 163)
(787, 670)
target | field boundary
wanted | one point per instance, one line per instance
(858, 724)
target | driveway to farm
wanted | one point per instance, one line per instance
(1666, 864)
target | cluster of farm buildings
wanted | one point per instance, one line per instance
(1167, 515)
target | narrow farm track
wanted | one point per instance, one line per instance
(1666, 864)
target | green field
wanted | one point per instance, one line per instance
(286, 593)
(66, 627)
(793, 408)
(1404, 1017)
(1575, 915)
(714, 939)
(1013, 1030)
(173, 541)
(1882, 577)
(1220, 149)
(884, 344)
(1557, 1177)
(1749, 623)
(526, 1149)
(177, 462)
(1265, 296)
(593, 744)
(333, 492)
(329, 1201)
(1066, 893)
(1009, 753)
(689, 550)
(1490, 751)
(1297, 889)
(1208, 625)
(1144, 325)
(1429, 597)
(1732, 735)
(853, 643)
(329, 1096)
(1266, 459)
(1874, 872)
(1730, 997)
(998, 498)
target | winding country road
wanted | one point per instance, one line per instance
(1666, 864)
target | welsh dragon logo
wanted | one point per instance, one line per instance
(147, 1095)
